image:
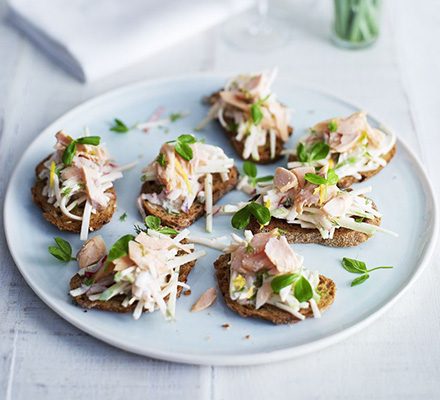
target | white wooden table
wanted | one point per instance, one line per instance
(398, 357)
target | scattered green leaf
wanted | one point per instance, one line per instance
(359, 267)
(250, 170)
(241, 218)
(62, 251)
(354, 266)
(359, 280)
(176, 116)
(119, 126)
(123, 217)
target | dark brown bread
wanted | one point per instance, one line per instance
(326, 288)
(342, 237)
(183, 220)
(263, 151)
(115, 303)
(347, 181)
(61, 221)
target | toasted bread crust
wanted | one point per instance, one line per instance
(347, 181)
(61, 221)
(326, 288)
(183, 220)
(342, 237)
(115, 303)
(263, 151)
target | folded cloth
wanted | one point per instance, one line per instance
(94, 38)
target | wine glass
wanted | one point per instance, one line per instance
(257, 30)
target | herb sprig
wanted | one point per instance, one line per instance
(242, 217)
(119, 126)
(256, 111)
(332, 178)
(119, 248)
(318, 151)
(62, 251)
(359, 267)
(182, 146)
(250, 170)
(70, 150)
(154, 223)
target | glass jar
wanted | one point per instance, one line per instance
(356, 23)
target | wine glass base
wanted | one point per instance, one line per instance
(254, 33)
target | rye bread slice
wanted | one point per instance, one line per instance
(347, 181)
(183, 220)
(263, 151)
(61, 221)
(326, 288)
(342, 237)
(115, 303)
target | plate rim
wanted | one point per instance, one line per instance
(259, 357)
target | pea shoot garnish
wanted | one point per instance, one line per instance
(70, 150)
(242, 217)
(154, 223)
(359, 267)
(317, 151)
(62, 250)
(250, 170)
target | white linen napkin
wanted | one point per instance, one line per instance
(94, 38)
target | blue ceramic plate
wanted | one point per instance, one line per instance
(401, 191)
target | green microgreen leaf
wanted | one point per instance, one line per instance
(190, 139)
(90, 140)
(359, 267)
(281, 281)
(332, 126)
(250, 169)
(165, 230)
(161, 160)
(256, 111)
(152, 222)
(318, 151)
(176, 116)
(62, 251)
(354, 266)
(332, 177)
(184, 150)
(315, 179)
(120, 248)
(301, 152)
(303, 290)
(267, 178)
(241, 218)
(69, 153)
(119, 126)
(359, 280)
(123, 217)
